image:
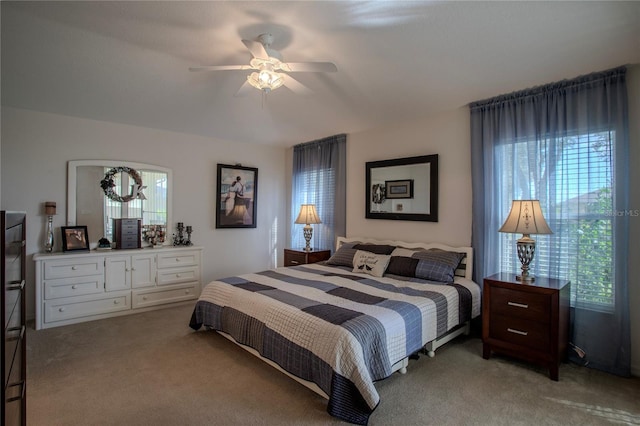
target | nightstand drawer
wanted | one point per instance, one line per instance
(293, 258)
(519, 331)
(521, 304)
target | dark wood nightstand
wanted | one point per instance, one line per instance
(293, 257)
(529, 321)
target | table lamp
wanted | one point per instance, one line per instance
(526, 218)
(307, 216)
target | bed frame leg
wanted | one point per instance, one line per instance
(430, 348)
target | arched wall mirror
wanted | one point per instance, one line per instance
(99, 191)
(403, 189)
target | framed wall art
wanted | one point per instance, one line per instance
(75, 238)
(236, 196)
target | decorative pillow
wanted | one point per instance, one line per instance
(402, 265)
(400, 251)
(375, 248)
(370, 263)
(437, 265)
(344, 255)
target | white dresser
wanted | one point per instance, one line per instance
(78, 287)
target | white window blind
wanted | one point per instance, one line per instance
(314, 187)
(573, 179)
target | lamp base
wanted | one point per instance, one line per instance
(525, 278)
(308, 232)
(526, 248)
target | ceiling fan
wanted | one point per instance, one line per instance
(269, 69)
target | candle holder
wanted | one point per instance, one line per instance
(188, 241)
(179, 238)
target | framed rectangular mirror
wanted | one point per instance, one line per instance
(402, 189)
(99, 191)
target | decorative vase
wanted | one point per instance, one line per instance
(48, 236)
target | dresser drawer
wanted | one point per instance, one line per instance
(178, 275)
(58, 310)
(15, 395)
(13, 366)
(178, 259)
(73, 268)
(519, 331)
(160, 296)
(14, 291)
(68, 287)
(12, 346)
(521, 304)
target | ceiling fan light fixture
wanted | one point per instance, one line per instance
(265, 80)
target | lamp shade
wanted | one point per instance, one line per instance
(308, 214)
(526, 218)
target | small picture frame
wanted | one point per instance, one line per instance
(75, 238)
(399, 188)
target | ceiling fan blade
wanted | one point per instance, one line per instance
(256, 48)
(309, 67)
(244, 90)
(221, 68)
(295, 86)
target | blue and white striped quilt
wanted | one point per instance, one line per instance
(338, 329)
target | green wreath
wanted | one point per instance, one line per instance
(107, 184)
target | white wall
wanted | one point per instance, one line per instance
(445, 134)
(36, 147)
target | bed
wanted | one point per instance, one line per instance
(341, 325)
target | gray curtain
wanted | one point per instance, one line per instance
(319, 177)
(567, 145)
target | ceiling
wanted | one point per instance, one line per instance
(127, 62)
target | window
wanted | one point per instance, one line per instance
(572, 177)
(316, 187)
(319, 177)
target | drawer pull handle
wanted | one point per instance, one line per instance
(61, 310)
(144, 297)
(294, 262)
(522, 333)
(115, 302)
(186, 291)
(177, 259)
(73, 268)
(16, 285)
(177, 275)
(518, 305)
(73, 287)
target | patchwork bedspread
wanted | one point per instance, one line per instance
(338, 329)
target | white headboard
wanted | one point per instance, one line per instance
(466, 264)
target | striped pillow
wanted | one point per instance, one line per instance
(433, 265)
(344, 255)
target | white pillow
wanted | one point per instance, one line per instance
(370, 263)
(403, 252)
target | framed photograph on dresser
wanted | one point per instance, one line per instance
(75, 238)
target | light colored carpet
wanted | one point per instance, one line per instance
(152, 369)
